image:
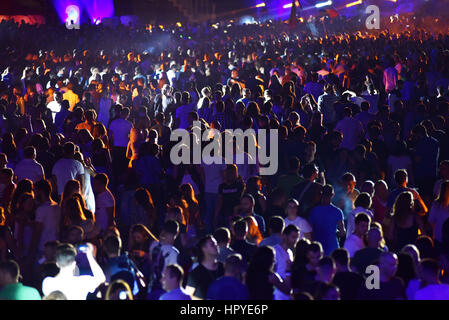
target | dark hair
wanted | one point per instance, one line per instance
(102, 178)
(362, 217)
(400, 176)
(69, 148)
(171, 227)
(65, 254)
(347, 112)
(7, 172)
(300, 253)
(250, 197)
(29, 152)
(406, 267)
(43, 185)
(289, 229)
(315, 246)
(347, 177)
(401, 206)
(430, 266)
(200, 245)
(425, 246)
(308, 170)
(340, 256)
(328, 190)
(363, 200)
(222, 235)
(240, 227)
(175, 271)
(326, 262)
(261, 261)
(10, 267)
(234, 263)
(112, 245)
(276, 224)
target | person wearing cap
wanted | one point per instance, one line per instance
(12, 288)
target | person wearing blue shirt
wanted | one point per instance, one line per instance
(275, 226)
(229, 286)
(171, 280)
(326, 219)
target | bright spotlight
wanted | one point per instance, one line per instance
(260, 5)
(323, 4)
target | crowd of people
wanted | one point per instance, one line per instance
(92, 207)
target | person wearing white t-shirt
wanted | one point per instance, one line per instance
(172, 278)
(355, 242)
(284, 257)
(362, 204)
(433, 289)
(104, 202)
(72, 286)
(89, 171)
(48, 214)
(305, 229)
(119, 129)
(55, 105)
(29, 168)
(67, 168)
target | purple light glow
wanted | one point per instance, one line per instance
(96, 9)
(99, 9)
(64, 8)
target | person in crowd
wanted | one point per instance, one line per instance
(12, 288)
(390, 286)
(67, 168)
(207, 270)
(371, 122)
(348, 281)
(326, 233)
(223, 237)
(292, 218)
(432, 288)
(229, 286)
(261, 279)
(104, 202)
(275, 227)
(29, 168)
(356, 240)
(284, 256)
(240, 244)
(172, 278)
(72, 286)
(439, 212)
